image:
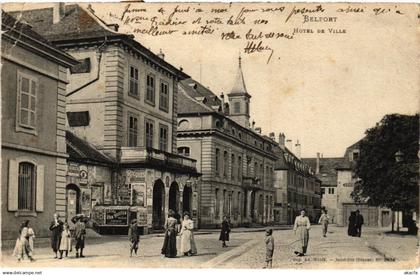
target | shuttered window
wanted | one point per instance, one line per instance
(134, 81)
(149, 134)
(150, 92)
(27, 95)
(163, 138)
(164, 96)
(132, 131)
(26, 186)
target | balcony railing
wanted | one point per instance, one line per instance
(156, 157)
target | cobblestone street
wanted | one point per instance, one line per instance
(246, 250)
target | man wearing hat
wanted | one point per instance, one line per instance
(79, 234)
(56, 228)
(133, 236)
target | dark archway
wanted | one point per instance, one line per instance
(261, 208)
(187, 199)
(174, 197)
(158, 217)
(72, 200)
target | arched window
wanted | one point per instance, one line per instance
(183, 125)
(26, 186)
(184, 151)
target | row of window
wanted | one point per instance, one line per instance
(222, 167)
(133, 133)
(330, 190)
(150, 97)
(301, 199)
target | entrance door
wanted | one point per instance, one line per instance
(386, 218)
(186, 200)
(158, 217)
(253, 216)
(174, 197)
(73, 201)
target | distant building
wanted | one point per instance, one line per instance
(235, 160)
(123, 100)
(33, 157)
(325, 170)
(296, 186)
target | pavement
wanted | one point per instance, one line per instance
(374, 249)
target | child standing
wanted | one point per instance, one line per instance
(269, 248)
(65, 242)
(133, 236)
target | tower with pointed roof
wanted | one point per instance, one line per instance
(239, 99)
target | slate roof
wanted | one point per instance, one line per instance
(23, 32)
(82, 151)
(193, 97)
(239, 86)
(79, 25)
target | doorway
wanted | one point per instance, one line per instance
(158, 203)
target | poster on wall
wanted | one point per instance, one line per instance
(86, 198)
(97, 195)
(107, 193)
(138, 191)
(142, 217)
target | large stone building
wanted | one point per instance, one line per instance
(33, 157)
(123, 100)
(235, 160)
(296, 185)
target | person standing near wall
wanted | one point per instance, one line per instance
(56, 229)
(358, 223)
(301, 229)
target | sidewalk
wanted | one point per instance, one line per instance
(392, 246)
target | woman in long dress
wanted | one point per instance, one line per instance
(188, 246)
(169, 243)
(301, 229)
(22, 247)
(224, 232)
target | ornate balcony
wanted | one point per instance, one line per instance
(149, 157)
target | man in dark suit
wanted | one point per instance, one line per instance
(358, 223)
(56, 229)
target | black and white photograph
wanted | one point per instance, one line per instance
(210, 135)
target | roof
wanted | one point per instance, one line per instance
(25, 34)
(195, 98)
(327, 169)
(288, 161)
(79, 24)
(239, 87)
(82, 151)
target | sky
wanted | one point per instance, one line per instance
(324, 90)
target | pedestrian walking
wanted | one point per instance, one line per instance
(188, 246)
(301, 229)
(358, 222)
(22, 247)
(79, 234)
(169, 242)
(224, 232)
(65, 242)
(269, 248)
(324, 221)
(351, 230)
(133, 236)
(56, 229)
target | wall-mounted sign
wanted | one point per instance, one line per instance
(83, 177)
(73, 169)
(116, 217)
(86, 198)
(142, 216)
(107, 193)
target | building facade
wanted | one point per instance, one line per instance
(33, 128)
(326, 170)
(123, 100)
(296, 186)
(235, 160)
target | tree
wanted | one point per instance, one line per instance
(383, 180)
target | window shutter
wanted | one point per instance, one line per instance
(13, 186)
(39, 203)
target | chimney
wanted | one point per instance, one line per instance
(289, 144)
(297, 149)
(58, 12)
(317, 164)
(258, 130)
(282, 140)
(253, 125)
(272, 135)
(161, 54)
